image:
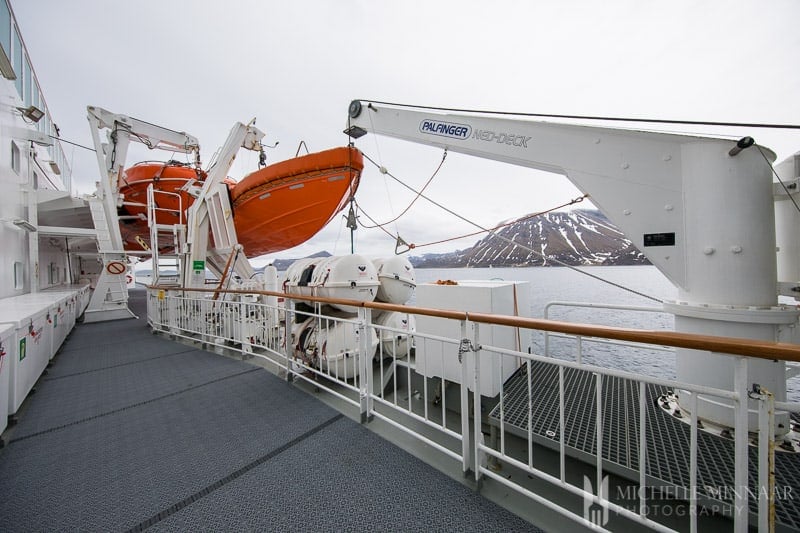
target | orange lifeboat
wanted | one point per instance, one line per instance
(169, 180)
(275, 208)
(285, 204)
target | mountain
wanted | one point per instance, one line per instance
(578, 237)
(283, 264)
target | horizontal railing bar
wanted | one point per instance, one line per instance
(421, 419)
(655, 347)
(613, 372)
(323, 387)
(612, 307)
(563, 485)
(426, 440)
(725, 345)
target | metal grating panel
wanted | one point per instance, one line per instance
(667, 441)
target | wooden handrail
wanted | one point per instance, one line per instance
(779, 351)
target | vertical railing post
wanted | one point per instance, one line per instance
(288, 347)
(476, 393)
(364, 360)
(599, 436)
(463, 360)
(694, 421)
(740, 505)
(241, 329)
(766, 460)
(172, 313)
(643, 449)
(562, 446)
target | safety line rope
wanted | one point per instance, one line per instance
(492, 232)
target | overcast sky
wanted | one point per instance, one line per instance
(201, 65)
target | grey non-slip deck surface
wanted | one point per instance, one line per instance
(128, 431)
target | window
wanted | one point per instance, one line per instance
(27, 69)
(36, 101)
(15, 157)
(19, 276)
(18, 62)
(35, 181)
(5, 28)
(53, 274)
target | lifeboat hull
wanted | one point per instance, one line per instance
(285, 204)
(275, 208)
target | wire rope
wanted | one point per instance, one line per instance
(491, 231)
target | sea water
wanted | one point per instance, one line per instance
(548, 284)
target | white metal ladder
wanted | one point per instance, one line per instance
(176, 232)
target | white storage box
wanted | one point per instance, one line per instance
(439, 359)
(6, 351)
(30, 348)
(58, 311)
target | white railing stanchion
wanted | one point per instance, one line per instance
(288, 348)
(364, 360)
(476, 395)
(530, 412)
(463, 359)
(693, 464)
(642, 449)
(561, 417)
(599, 435)
(740, 504)
(766, 460)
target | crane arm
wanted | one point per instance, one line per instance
(670, 194)
(151, 135)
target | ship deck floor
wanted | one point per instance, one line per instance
(130, 431)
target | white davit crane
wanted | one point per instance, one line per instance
(110, 297)
(210, 211)
(701, 209)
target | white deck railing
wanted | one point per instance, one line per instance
(441, 413)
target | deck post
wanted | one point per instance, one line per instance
(476, 393)
(287, 338)
(463, 359)
(741, 510)
(364, 366)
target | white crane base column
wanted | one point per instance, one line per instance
(717, 370)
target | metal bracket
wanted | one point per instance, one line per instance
(466, 346)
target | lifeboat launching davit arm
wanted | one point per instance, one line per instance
(110, 296)
(209, 210)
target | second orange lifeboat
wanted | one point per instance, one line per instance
(285, 204)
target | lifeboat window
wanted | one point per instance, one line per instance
(296, 186)
(14, 157)
(264, 196)
(336, 178)
(305, 277)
